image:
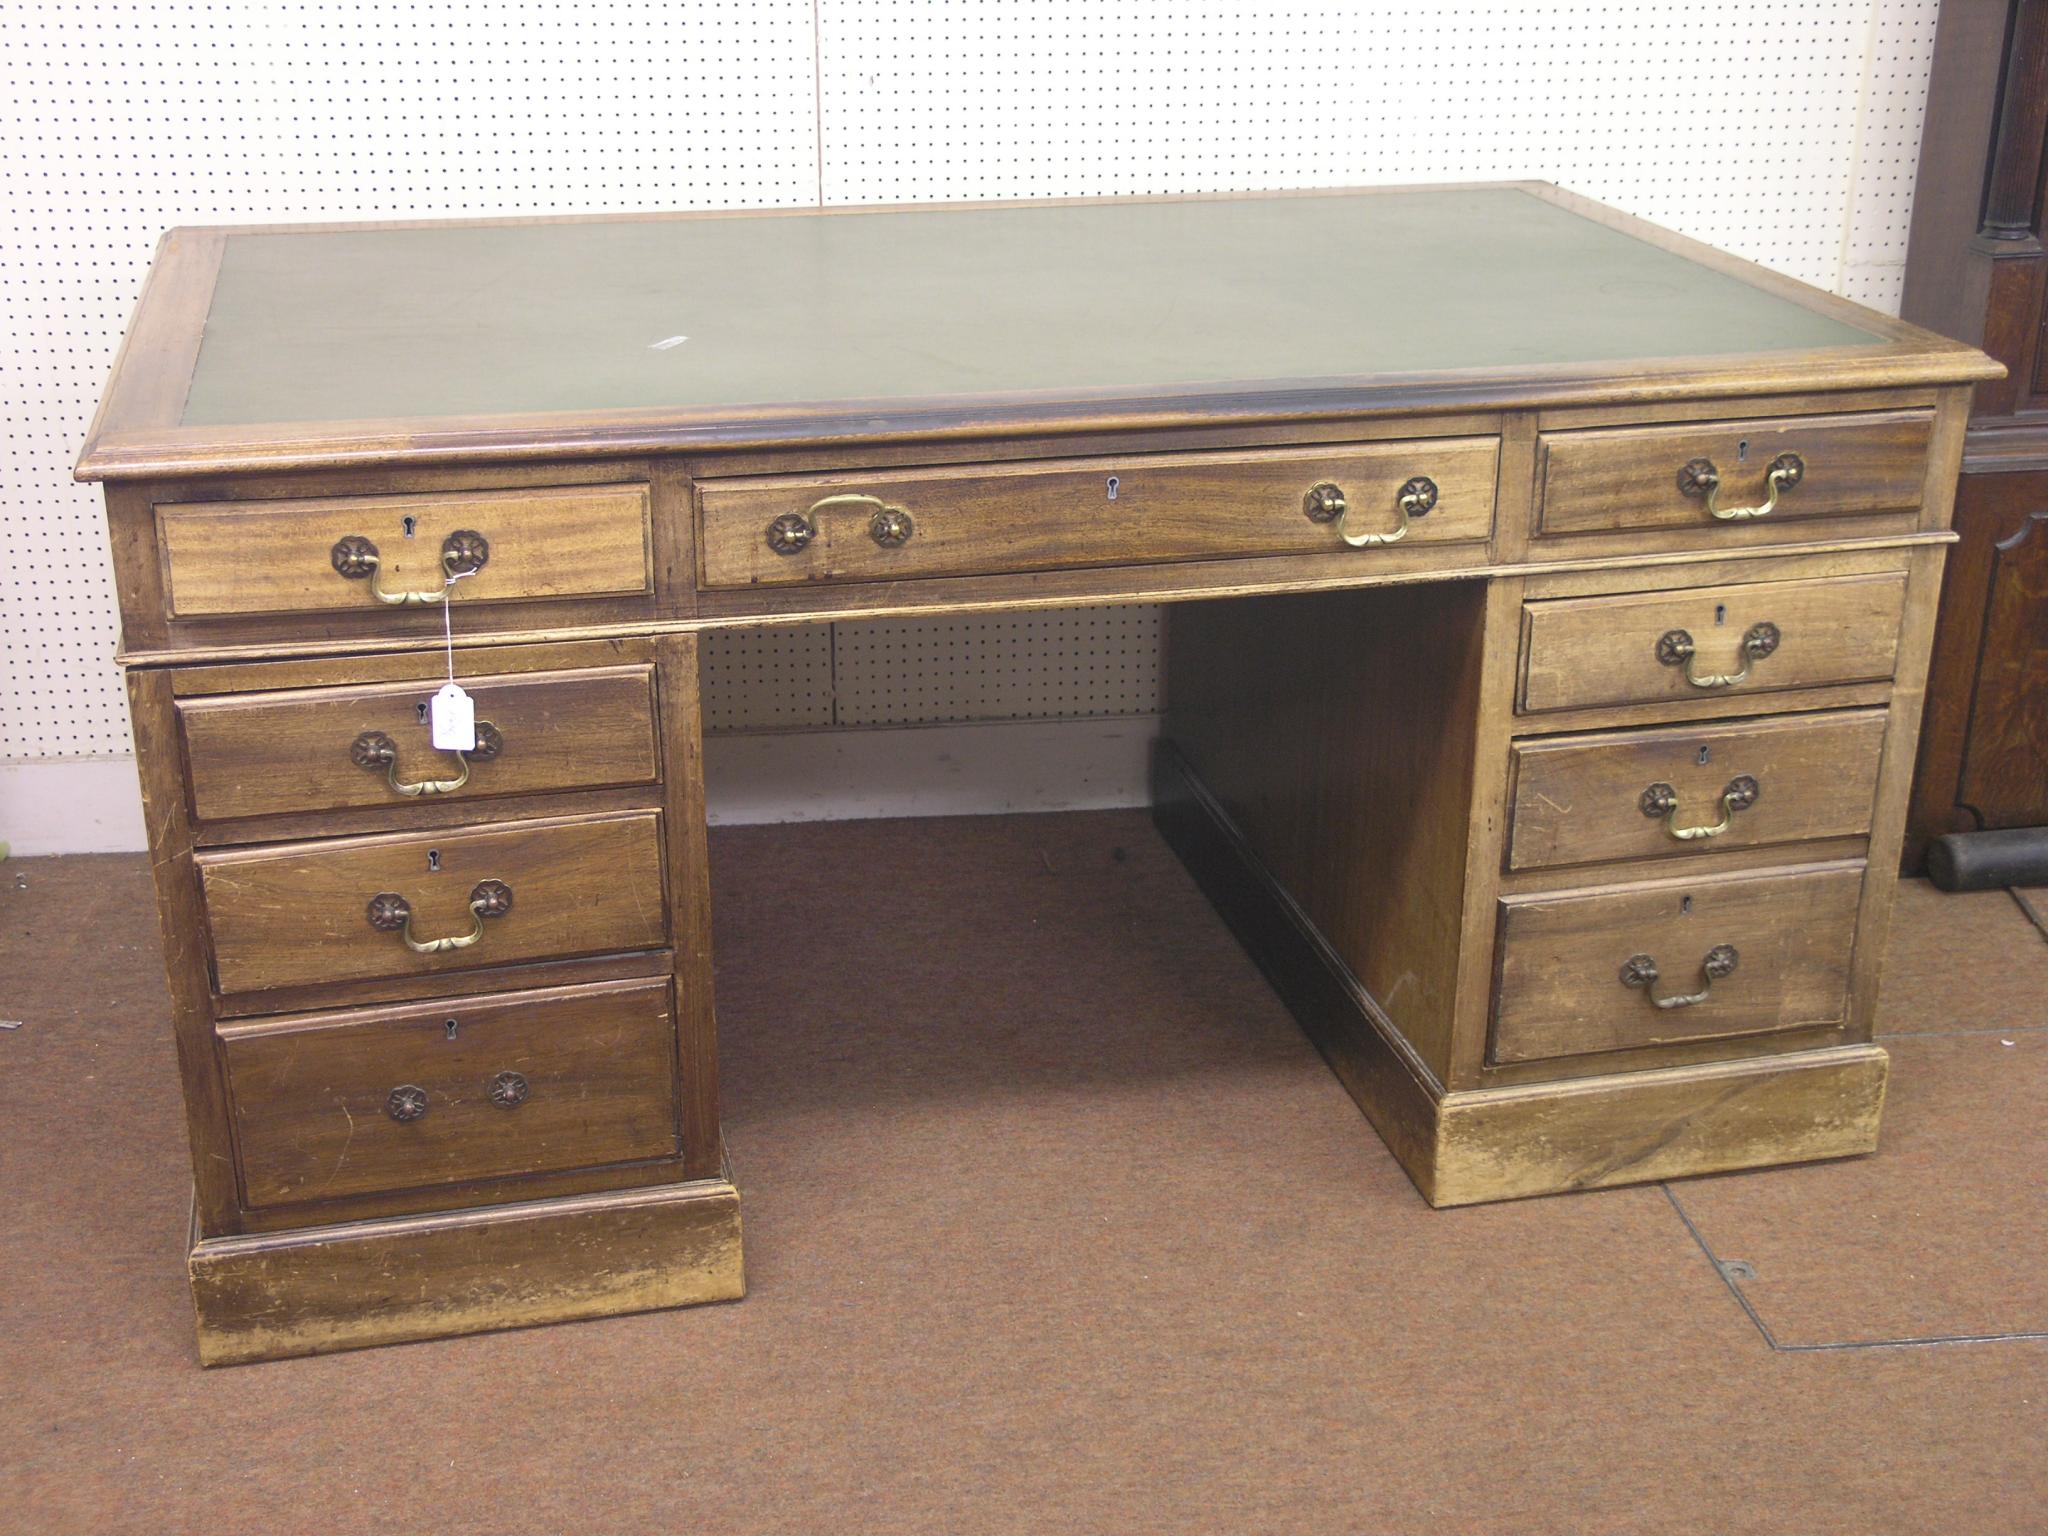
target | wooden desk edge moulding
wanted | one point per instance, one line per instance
(1542, 723)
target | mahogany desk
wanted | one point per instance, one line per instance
(1550, 750)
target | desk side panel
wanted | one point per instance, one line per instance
(1339, 732)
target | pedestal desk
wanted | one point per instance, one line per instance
(1550, 613)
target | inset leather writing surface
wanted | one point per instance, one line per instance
(750, 310)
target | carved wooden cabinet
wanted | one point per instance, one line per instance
(1976, 270)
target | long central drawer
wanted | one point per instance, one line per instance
(366, 907)
(980, 519)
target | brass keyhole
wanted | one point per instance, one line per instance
(421, 711)
(1742, 449)
(1685, 906)
(1704, 754)
(411, 525)
(1113, 483)
(433, 860)
(451, 1027)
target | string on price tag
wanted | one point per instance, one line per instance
(453, 711)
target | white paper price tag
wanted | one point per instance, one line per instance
(454, 720)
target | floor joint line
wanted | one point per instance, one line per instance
(2021, 1336)
(1720, 1269)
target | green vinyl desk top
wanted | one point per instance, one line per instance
(617, 334)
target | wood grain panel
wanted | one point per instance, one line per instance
(1638, 1127)
(1579, 799)
(311, 1094)
(1604, 650)
(1561, 957)
(1605, 480)
(266, 753)
(297, 914)
(982, 519)
(1502, 1143)
(346, 1286)
(1338, 733)
(224, 558)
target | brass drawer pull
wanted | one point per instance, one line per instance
(392, 913)
(1700, 478)
(374, 750)
(1325, 503)
(1641, 971)
(462, 552)
(1675, 648)
(1662, 800)
(406, 1103)
(889, 526)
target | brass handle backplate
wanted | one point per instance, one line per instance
(1675, 648)
(791, 533)
(1325, 502)
(1662, 800)
(391, 913)
(463, 552)
(508, 1090)
(1701, 479)
(408, 1101)
(374, 750)
(889, 526)
(1641, 971)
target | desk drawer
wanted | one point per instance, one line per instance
(1649, 647)
(322, 749)
(1694, 789)
(1707, 475)
(1583, 971)
(228, 558)
(981, 519)
(470, 1088)
(526, 890)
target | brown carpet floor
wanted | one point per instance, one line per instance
(1056, 1224)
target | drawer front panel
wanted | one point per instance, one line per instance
(985, 519)
(1610, 479)
(1580, 972)
(532, 890)
(322, 749)
(473, 1088)
(1652, 647)
(1694, 789)
(228, 558)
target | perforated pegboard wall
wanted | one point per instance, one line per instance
(1785, 132)
(121, 120)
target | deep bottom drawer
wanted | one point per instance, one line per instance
(383, 1099)
(1586, 971)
